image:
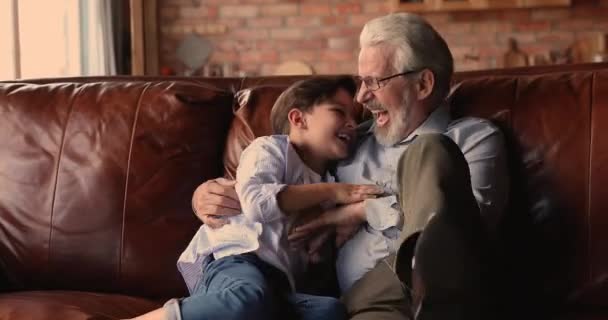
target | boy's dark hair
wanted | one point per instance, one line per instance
(306, 94)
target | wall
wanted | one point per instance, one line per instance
(257, 35)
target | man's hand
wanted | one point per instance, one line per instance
(215, 200)
(345, 193)
(346, 219)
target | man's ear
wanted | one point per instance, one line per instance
(296, 118)
(426, 84)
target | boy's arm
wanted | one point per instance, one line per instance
(296, 198)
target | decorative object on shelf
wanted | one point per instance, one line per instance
(514, 57)
(293, 68)
(194, 51)
(590, 49)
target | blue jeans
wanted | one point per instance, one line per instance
(245, 287)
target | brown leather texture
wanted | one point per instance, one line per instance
(96, 177)
(73, 305)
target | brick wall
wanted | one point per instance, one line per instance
(257, 35)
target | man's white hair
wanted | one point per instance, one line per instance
(416, 46)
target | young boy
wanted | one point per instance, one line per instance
(246, 268)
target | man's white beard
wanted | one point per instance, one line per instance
(396, 127)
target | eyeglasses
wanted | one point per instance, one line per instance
(373, 83)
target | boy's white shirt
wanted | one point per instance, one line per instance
(266, 167)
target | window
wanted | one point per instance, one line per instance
(54, 38)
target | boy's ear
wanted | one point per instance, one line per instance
(296, 118)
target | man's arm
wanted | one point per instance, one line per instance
(487, 158)
(214, 200)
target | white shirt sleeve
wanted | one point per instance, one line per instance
(484, 149)
(260, 177)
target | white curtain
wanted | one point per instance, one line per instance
(98, 53)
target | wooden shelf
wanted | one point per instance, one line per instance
(471, 5)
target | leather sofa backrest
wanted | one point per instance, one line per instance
(555, 234)
(96, 178)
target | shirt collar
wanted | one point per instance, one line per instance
(436, 122)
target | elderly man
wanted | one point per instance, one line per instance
(423, 233)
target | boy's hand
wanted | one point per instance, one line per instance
(346, 220)
(345, 193)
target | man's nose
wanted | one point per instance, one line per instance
(363, 94)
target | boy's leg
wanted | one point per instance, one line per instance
(309, 307)
(233, 288)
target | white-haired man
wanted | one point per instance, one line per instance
(405, 68)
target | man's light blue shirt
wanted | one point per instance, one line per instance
(483, 147)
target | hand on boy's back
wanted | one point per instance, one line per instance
(345, 193)
(214, 201)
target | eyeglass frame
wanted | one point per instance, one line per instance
(379, 82)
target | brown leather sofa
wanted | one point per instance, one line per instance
(96, 176)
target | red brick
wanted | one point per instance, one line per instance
(454, 28)
(259, 1)
(520, 37)
(315, 9)
(339, 55)
(551, 14)
(335, 31)
(465, 16)
(232, 23)
(259, 56)
(293, 33)
(575, 25)
(334, 20)
(468, 39)
(537, 26)
(492, 27)
(555, 37)
(225, 56)
(299, 22)
(515, 15)
(489, 51)
(601, 26)
(303, 55)
(265, 22)
(342, 43)
(347, 8)
(169, 14)
(251, 33)
(380, 7)
(437, 18)
(359, 20)
(468, 65)
(244, 11)
(279, 10)
(198, 12)
(218, 2)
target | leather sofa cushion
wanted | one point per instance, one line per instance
(73, 305)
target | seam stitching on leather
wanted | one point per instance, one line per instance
(124, 205)
(59, 156)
